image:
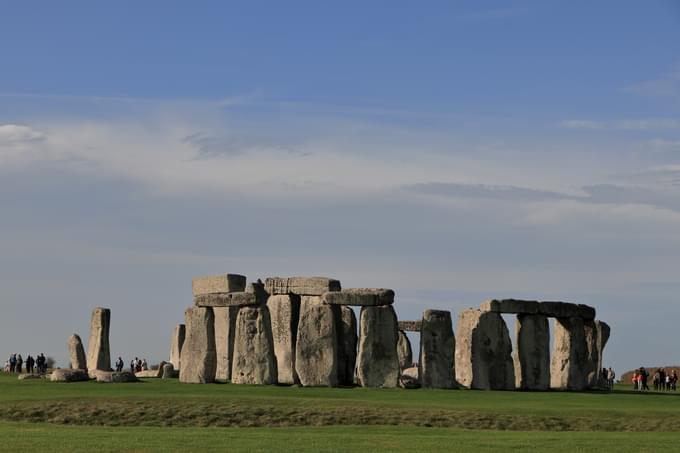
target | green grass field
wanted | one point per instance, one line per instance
(160, 415)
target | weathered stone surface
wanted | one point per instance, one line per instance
(596, 336)
(569, 364)
(364, 297)
(532, 354)
(510, 306)
(377, 361)
(254, 360)
(176, 345)
(113, 377)
(303, 286)
(316, 348)
(404, 351)
(69, 375)
(566, 310)
(98, 352)
(77, 353)
(224, 283)
(169, 372)
(437, 346)
(484, 351)
(29, 376)
(149, 373)
(285, 314)
(409, 378)
(409, 326)
(228, 299)
(225, 329)
(199, 358)
(347, 346)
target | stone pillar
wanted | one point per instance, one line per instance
(77, 353)
(347, 346)
(569, 365)
(377, 361)
(596, 336)
(316, 348)
(225, 327)
(604, 332)
(176, 345)
(484, 351)
(198, 358)
(404, 351)
(254, 361)
(532, 357)
(98, 352)
(436, 367)
(285, 314)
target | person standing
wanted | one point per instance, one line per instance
(119, 364)
(610, 378)
(12, 363)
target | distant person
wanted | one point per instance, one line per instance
(20, 363)
(12, 363)
(7, 366)
(610, 378)
(41, 362)
(119, 364)
(145, 365)
(30, 362)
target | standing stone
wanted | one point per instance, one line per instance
(254, 361)
(225, 327)
(484, 351)
(436, 368)
(569, 366)
(377, 361)
(199, 358)
(98, 352)
(532, 357)
(404, 351)
(176, 345)
(77, 353)
(596, 336)
(347, 346)
(604, 331)
(316, 348)
(285, 314)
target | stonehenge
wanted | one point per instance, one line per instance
(77, 353)
(437, 345)
(377, 360)
(98, 352)
(304, 331)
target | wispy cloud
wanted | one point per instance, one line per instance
(631, 124)
(13, 134)
(664, 143)
(668, 85)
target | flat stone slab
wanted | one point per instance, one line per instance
(361, 297)
(566, 310)
(69, 375)
(302, 286)
(223, 283)
(239, 299)
(410, 326)
(517, 306)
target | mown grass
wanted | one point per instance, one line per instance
(157, 403)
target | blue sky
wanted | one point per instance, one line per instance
(454, 151)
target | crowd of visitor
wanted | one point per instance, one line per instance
(608, 376)
(16, 364)
(137, 365)
(663, 380)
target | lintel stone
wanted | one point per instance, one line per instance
(528, 307)
(302, 286)
(224, 283)
(363, 297)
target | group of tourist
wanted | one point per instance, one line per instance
(16, 364)
(137, 365)
(661, 379)
(608, 376)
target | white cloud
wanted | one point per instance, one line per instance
(14, 134)
(582, 124)
(661, 142)
(668, 85)
(631, 124)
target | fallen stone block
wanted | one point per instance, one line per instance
(484, 351)
(199, 357)
(409, 378)
(437, 345)
(115, 377)
(361, 297)
(29, 376)
(223, 283)
(285, 314)
(69, 375)
(377, 361)
(254, 361)
(510, 306)
(302, 286)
